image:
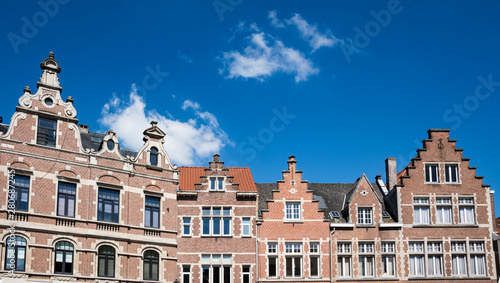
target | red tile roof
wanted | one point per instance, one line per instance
(191, 175)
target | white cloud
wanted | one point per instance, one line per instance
(261, 59)
(275, 22)
(188, 143)
(311, 34)
(189, 104)
(184, 57)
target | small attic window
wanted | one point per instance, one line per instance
(385, 214)
(334, 214)
(95, 139)
(153, 156)
(111, 145)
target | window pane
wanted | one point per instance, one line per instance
(297, 266)
(314, 266)
(206, 226)
(227, 226)
(156, 220)
(289, 266)
(206, 274)
(216, 227)
(272, 266)
(221, 183)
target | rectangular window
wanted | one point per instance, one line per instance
(186, 274)
(443, 211)
(466, 211)
(216, 221)
(451, 173)
(314, 260)
(272, 260)
(434, 259)
(216, 268)
(293, 260)
(388, 259)
(152, 217)
(108, 205)
(344, 259)
(365, 215)
(186, 226)
(46, 133)
(66, 199)
(417, 261)
(366, 259)
(245, 274)
(216, 183)
(292, 211)
(477, 259)
(21, 186)
(458, 259)
(431, 173)
(245, 227)
(421, 211)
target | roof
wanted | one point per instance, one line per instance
(189, 176)
(93, 141)
(4, 128)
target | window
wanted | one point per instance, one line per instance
(66, 199)
(108, 205)
(106, 261)
(216, 183)
(46, 134)
(421, 211)
(293, 260)
(365, 215)
(186, 274)
(431, 173)
(21, 186)
(443, 211)
(152, 209)
(292, 211)
(153, 156)
(458, 259)
(417, 266)
(477, 259)
(216, 268)
(186, 226)
(64, 258)
(245, 274)
(216, 221)
(366, 257)
(451, 173)
(388, 259)
(245, 227)
(110, 144)
(15, 254)
(272, 260)
(314, 260)
(434, 259)
(466, 211)
(151, 261)
(344, 259)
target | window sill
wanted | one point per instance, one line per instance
(365, 225)
(155, 168)
(186, 236)
(445, 226)
(216, 236)
(293, 221)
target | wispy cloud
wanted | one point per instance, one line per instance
(263, 56)
(188, 143)
(275, 22)
(184, 57)
(311, 34)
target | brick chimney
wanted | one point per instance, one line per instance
(391, 172)
(83, 128)
(216, 164)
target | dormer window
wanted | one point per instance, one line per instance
(216, 183)
(153, 156)
(365, 215)
(110, 144)
(46, 133)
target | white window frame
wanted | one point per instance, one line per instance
(466, 203)
(344, 255)
(388, 251)
(294, 251)
(225, 262)
(293, 211)
(222, 217)
(247, 273)
(442, 205)
(218, 185)
(476, 251)
(417, 251)
(428, 170)
(246, 224)
(188, 273)
(448, 167)
(459, 249)
(366, 253)
(314, 254)
(435, 259)
(186, 225)
(420, 205)
(272, 252)
(365, 215)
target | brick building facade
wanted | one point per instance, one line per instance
(77, 207)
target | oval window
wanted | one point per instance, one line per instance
(48, 101)
(111, 145)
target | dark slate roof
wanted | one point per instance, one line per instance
(330, 196)
(89, 141)
(4, 128)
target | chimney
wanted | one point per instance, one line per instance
(391, 172)
(216, 163)
(83, 128)
(1, 120)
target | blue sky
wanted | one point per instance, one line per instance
(340, 84)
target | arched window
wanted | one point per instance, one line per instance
(106, 262)
(151, 260)
(15, 254)
(64, 258)
(153, 156)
